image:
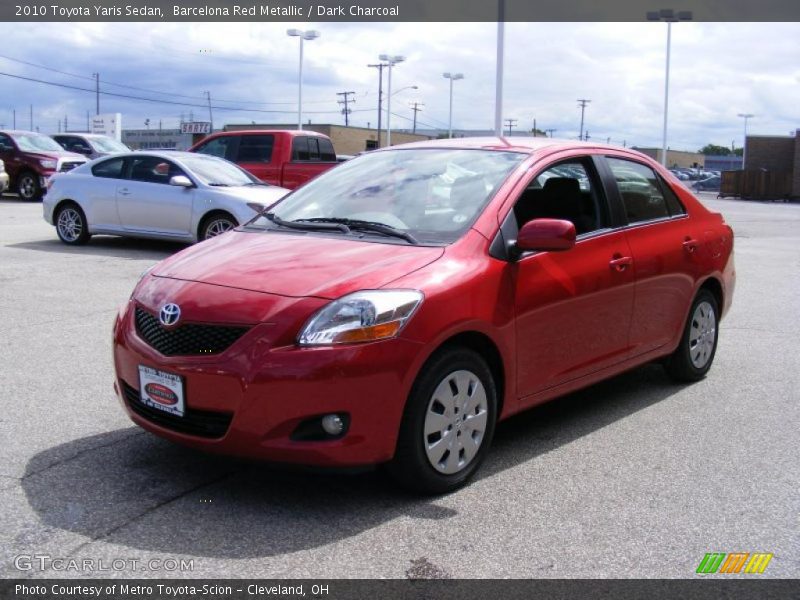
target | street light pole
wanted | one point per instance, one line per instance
(391, 62)
(303, 35)
(498, 84)
(380, 67)
(452, 77)
(668, 16)
(745, 116)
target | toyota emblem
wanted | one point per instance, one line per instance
(169, 314)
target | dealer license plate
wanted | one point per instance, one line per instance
(161, 390)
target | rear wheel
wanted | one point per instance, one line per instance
(448, 423)
(694, 355)
(216, 224)
(71, 224)
(28, 186)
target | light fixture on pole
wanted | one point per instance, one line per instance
(303, 35)
(390, 61)
(452, 77)
(745, 116)
(668, 16)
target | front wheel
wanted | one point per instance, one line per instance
(216, 224)
(448, 423)
(693, 357)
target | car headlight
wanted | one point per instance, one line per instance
(48, 164)
(364, 316)
(144, 274)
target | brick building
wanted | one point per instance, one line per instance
(676, 158)
(776, 154)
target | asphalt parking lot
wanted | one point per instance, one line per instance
(635, 477)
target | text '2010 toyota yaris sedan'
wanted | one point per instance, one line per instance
(395, 308)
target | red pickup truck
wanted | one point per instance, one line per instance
(285, 158)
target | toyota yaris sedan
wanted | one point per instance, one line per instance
(394, 309)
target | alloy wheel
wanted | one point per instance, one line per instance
(70, 224)
(702, 334)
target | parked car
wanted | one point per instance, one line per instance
(90, 145)
(363, 320)
(284, 158)
(166, 195)
(3, 177)
(30, 158)
(709, 184)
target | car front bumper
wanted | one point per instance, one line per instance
(265, 392)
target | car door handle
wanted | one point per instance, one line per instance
(690, 245)
(124, 192)
(620, 263)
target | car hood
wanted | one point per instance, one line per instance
(55, 155)
(295, 265)
(256, 193)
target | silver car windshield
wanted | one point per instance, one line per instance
(433, 194)
(31, 142)
(217, 172)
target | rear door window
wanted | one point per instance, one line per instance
(222, 147)
(255, 148)
(640, 190)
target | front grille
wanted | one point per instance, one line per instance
(202, 423)
(68, 166)
(186, 340)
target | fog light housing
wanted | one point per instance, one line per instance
(333, 425)
(322, 428)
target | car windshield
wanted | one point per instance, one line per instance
(216, 171)
(430, 195)
(104, 144)
(33, 142)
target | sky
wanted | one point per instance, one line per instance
(718, 70)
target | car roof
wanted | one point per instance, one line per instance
(291, 132)
(22, 131)
(527, 145)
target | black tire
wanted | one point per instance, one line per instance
(71, 225)
(215, 224)
(411, 465)
(695, 353)
(28, 186)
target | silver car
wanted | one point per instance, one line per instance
(166, 195)
(91, 145)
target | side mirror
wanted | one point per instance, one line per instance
(545, 234)
(181, 181)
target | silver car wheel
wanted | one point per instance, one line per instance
(702, 334)
(455, 422)
(218, 227)
(70, 224)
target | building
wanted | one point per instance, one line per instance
(723, 162)
(152, 139)
(676, 158)
(346, 140)
(778, 155)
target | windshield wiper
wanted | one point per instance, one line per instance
(367, 225)
(257, 183)
(217, 184)
(307, 226)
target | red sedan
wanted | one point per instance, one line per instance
(395, 308)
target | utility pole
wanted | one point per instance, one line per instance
(416, 107)
(380, 67)
(210, 116)
(582, 102)
(97, 92)
(15, 118)
(66, 127)
(346, 111)
(550, 131)
(87, 122)
(510, 123)
(31, 117)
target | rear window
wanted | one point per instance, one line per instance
(317, 149)
(109, 168)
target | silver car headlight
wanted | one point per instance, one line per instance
(365, 316)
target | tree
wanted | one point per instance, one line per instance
(713, 149)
